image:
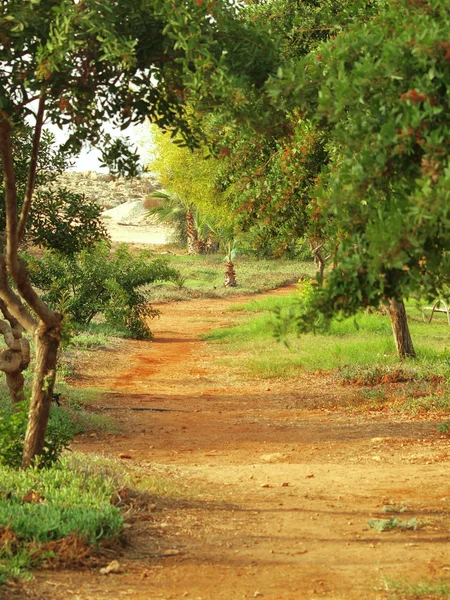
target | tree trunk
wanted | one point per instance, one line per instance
(200, 246)
(319, 260)
(47, 342)
(211, 245)
(320, 263)
(16, 382)
(230, 275)
(191, 234)
(400, 329)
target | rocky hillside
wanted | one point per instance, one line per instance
(108, 191)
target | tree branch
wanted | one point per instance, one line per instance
(10, 341)
(15, 305)
(10, 361)
(15, 267)
(32, 169)
(16, 327)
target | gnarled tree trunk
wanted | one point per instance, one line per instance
(400, 329)
(16, 357)
(47, 340)
(30, 311)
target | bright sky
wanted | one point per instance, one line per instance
(89, 158)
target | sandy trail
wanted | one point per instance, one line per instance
(282, 484)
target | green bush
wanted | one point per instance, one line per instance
(13, 424)
(101, 282)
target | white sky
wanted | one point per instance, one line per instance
(89, 158)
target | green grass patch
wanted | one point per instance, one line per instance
(76, 403)
(203, 276)
(424, 590)
(97, 334)
(360, 348)
(74, 409)
(155, 484)
(49, 516)
(39, 507)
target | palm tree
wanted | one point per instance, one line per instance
(175, 209)
(225, 233)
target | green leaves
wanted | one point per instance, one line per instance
(381, 92)
(100, 282)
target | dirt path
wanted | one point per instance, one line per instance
(281, 485)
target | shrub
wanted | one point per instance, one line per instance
(13, 424)
(101, 282)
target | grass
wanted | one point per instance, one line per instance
(202, 277)
(358, 351)
(74, 407)
(75, 403)
(156, 484)
(52, 510)
(54, 515)
(364, 342)
(425, 590)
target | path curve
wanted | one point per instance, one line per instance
(282, 484)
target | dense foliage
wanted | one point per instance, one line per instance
(97, 282)
(270, 174)
(382, 91)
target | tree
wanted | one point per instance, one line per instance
(189, 176)
(270, 173)
(80, 63)
(58, 219)
(382, 91)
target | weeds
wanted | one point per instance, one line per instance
(394, 508)
(394, 523)
(425, 590)
(444, 427)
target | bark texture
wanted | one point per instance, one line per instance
(191, 234)
(230, 275)
(16, 357)
(16, 382)
(400, 329)
(47, 343)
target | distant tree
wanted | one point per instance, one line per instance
(189, 178)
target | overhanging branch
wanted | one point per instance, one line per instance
(32, 169)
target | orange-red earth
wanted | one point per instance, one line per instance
(279, 483)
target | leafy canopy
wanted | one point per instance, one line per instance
(382, 91)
